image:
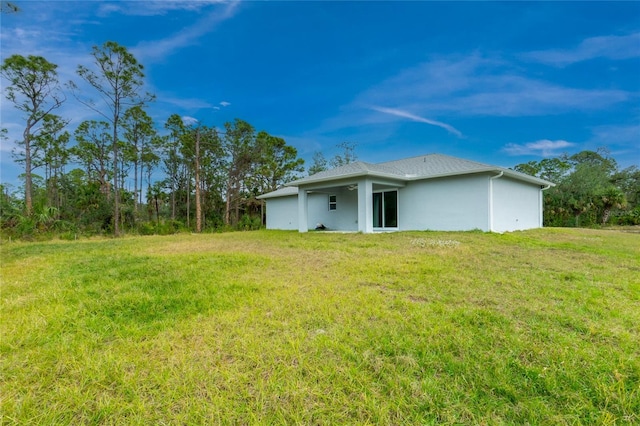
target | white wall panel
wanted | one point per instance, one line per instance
(447, 204)
(516, 205)
(282, 212)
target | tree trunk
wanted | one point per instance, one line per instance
(188, 200)
(198, 206)
(157, 211)
(173, 201)
(174, 177)
(605, 215)
(135, 185)
(116, 206)
(28, 180)
(227, 208)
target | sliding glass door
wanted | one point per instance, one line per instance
(385, 209)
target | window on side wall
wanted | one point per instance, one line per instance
(333, 204)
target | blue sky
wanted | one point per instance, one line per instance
(501, 83)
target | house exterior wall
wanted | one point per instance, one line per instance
(516, 205)
(487, 202)
(458, 203)
(282, 212)
(343, 218)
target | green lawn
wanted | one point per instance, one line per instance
(538, 327)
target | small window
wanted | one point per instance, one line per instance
(333, 205)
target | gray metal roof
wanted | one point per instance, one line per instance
(433, 165)
(416, 168)
(282, 192)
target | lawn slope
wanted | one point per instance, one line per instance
(269, 327)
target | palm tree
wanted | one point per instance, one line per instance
(610, 198)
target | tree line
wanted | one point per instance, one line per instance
(591, 189)
(123, 172)
(209, 176)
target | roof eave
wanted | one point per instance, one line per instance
(405, 178)
(278, 194)
(508, 172)
(459, 173)
(526, 178)
(362, 173)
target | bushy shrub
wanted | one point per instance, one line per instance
(147, 228)
(169, 227)
(248, 223)
(627, 218)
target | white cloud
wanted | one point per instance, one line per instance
(404, 114)
(610, 47)
(543, 147)
(617, 134)
(477, 86)
(150, 51)
(469, 86)
(183, 103)
(109, 8)
(189, 120)
(153, 8)
(225, 103)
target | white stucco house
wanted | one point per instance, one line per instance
(429, 192)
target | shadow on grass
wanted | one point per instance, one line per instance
(125, 295)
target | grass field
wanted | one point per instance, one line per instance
(538, 327)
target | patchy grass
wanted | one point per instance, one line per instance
(538, 327)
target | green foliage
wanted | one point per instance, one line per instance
(319, 163)
(627, 217)
(93, 151)
(139, 136)
(33, 89)
(255, 163)
(10, 208)
(118, 79)
(249, 223)
(536, 327)
(347, 156)
(33, 79)
(276, 163)
(208, 181)
(589, 191)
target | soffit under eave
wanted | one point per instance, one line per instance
(353, 180)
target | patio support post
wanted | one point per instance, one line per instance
(365, 206)
(302, 210)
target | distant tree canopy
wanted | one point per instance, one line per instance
(590, 189)
(346, 156)
(33, 89)
(117, 77)
(127, 172)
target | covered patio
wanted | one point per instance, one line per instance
(359, 205)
